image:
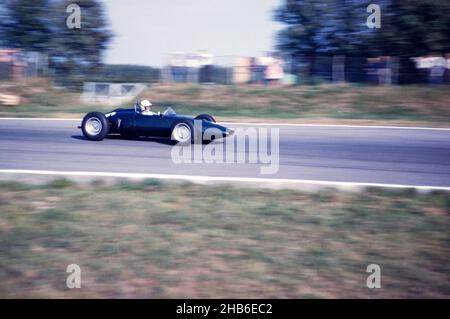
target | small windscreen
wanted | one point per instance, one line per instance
(169, 112)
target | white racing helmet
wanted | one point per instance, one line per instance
(144, 104)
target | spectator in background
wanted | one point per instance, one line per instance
(437, 70)
(274, 73)
(447, 68)
(384, 70)
(434, 66)
(372, 70)
(254, 70)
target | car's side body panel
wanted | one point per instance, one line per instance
(128, 122)
(152, 125)
(121, 121)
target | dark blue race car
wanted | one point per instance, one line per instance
(133, 123)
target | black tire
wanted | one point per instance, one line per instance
(206, 117)
(95, 126)
(186, 124)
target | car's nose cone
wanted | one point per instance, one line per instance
(229, 132)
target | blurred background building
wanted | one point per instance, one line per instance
(189, 67)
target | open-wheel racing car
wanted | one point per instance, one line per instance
(134, 123)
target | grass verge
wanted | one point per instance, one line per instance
(156, 240)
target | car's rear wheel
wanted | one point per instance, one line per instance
(95, 126)
(206, 117)
(183, 132)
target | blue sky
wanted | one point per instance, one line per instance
(147, 30)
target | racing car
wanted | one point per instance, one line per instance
(134, 123)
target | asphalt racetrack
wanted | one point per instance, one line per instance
(405, 156)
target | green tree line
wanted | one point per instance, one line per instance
(40, 25)
(408, 27)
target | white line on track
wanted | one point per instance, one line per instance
(39, 119)
(200, 179)
(263, 124)
(341, 125)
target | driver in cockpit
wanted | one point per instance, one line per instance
(145, 106)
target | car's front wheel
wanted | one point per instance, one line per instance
(183, 132)
(95, 126)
